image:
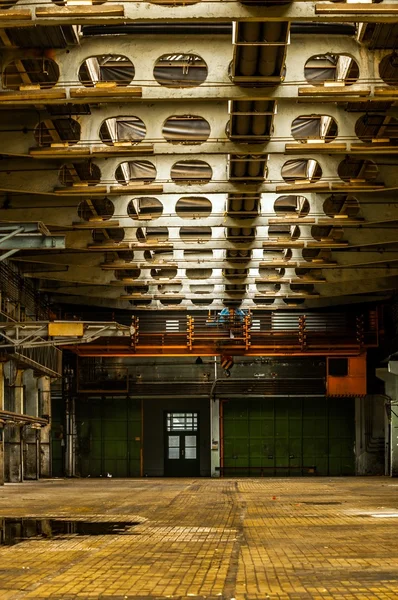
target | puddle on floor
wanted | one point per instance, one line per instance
(15, 530)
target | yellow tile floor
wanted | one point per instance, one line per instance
(248, 539)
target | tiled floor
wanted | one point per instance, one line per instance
(248, 539)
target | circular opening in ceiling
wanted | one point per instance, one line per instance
(315, 255)
(135, 170)
(101, 236)
(323, 68)
(169, 288)
(55, 131)
(201, 289)
(195, 234)
(260, 301)
(284, 254)
(186, 129)
(271, 273)
(43, 72)
(162, 255)
(166, 273)
(108, 68)
(281, 232)
(341, 205)
(308, 273)
(96, 209)
(357, 169)
(192, 207)
(141, 302)
(200, 302)
(82, 173)
(124, 256)
(180, 70)
(191, 171)
(267, 287)
(314, 127)
(198, 255)
(170, 301)
(198, 273)
(293, 301)
(370, 127)
(137, 289)
(144, 208)
(152, 234)
(324, 232)
(304, 288)
(388, 69)
(292, 205)
(300, 170)
(126, 274)
(122, 130)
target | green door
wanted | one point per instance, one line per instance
(289, 436)
(109, 436)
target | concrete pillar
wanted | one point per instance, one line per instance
(1, 426)
(391, 387)
(370, 435)
(31, 436)
(215, 437)
(13, 443)
(44, 385)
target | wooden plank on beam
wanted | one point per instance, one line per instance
(139, 186)
(117, 10)
(70, 152)
(103, 92)
(340, 8)
(390, 92)
(333, 91)
(374, 148)
(328, 186)
(15, 15)
(24, 96)
(326, 148)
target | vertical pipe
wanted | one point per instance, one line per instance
(21, 458)
(142, 440)
(221, 438)
(37, 436)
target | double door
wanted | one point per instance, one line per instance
(181, 444)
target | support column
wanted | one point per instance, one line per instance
(1, 426)
(44, 388)
(391, 387)
(31, 436)
(13, 443)
(370, 435)
(215, 437)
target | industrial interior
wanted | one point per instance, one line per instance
(198, 296)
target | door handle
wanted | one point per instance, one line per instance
(182, 452)
(291, 456)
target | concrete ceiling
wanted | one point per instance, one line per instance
(201, 155)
